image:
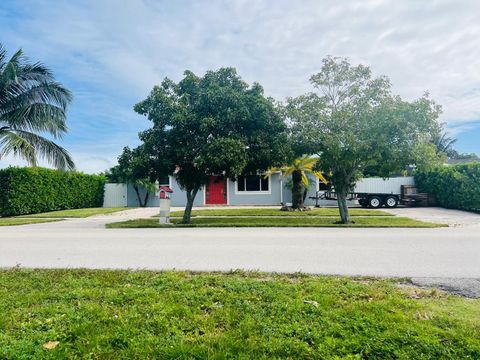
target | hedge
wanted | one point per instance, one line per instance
(34, 190)
(455, 187)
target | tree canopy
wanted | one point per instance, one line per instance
(134, 167)
(353, 122)
(211, 125)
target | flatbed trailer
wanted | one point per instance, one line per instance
(378, 192)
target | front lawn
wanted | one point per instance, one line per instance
(277, 212)
(370, 221)
(21, 221)
(60, 314)
(75, 213)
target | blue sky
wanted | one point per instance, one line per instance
(111, 53)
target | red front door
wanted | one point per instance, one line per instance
(216, 191)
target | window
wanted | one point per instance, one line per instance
(165, 180)
(253, 183)
(324, 187)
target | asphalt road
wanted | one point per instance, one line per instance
(420, 253)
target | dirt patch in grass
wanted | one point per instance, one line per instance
(415, 292)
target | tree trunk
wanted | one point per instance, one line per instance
(139, 198)
(187, 214)
(343, 208)
(145, 201)
(297, 193)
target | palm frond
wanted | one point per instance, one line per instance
(287, 171)
(320, 177)
(46, 92)
(3, 57)
(307, 162)
(11, 68)
(36, 72)
(305, 165)
(13, 143)
(271, 171)
(32, 103)
(43, 149)
(305, 181)
(37, 117)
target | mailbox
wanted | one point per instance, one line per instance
(164, 195)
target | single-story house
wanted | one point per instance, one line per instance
(245, 190)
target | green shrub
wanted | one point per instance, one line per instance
(34, 190)
(455, 187)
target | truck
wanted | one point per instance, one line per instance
(375, 192)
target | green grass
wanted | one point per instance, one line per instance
(277, 212)
(75, 213)
(56, 215)
(371, 221)
(20, 221)
(177, 315)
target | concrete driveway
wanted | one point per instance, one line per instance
(442, 252)
(456, 218)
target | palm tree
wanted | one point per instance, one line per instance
(299, 169)
(32, 104)
(444, 144)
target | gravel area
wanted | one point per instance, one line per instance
(459, 286)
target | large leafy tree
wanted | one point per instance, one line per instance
(353, 122)
(134, 167)
(211, 125)
(32, 105)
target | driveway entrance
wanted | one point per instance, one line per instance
(451, 217)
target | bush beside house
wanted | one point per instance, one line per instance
(34, 190)
(455, 187)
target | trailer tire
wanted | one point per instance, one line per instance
(375, 202)
(391, 202)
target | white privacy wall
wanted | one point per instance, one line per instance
(115, 195)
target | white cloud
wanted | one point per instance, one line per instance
(118, 50)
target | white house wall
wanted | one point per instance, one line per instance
(277, 194)
(272, 197)
(179, 197)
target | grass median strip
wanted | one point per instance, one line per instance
(277, 212)
(370, 221)
(75, 213)
(22, 221)
(139, 315)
